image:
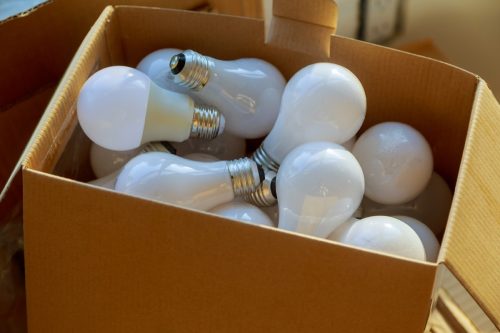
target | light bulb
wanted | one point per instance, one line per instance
(265, 194)
(321, 102)
(104, 161)
(107, 164)
(429, 240)
(384, 234)
(200, 185)
(120, 108)
(156, 66)
(396, 161)
(247, 91)
(225, 147)
(201, 157)
(319, 186)
(244, 212)
(273, 213)
(108, 181)
(342, 229)
(432, 206)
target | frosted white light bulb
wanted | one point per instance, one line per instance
(244, 212)
(104, 161)
(319, 185)
(342, 229)
(384, 234)
(225, 147)
(107, 164)
(396, 161)
(156, 66)
(432, 206)
(247, 91)
(201, 185)
(120, 108)
(321, 102)
(201, 157)
(429, 240)
(107, 181)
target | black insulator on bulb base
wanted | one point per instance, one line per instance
(262, 173)
(273, 188)
(177, 63)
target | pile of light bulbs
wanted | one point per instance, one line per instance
(310, 174)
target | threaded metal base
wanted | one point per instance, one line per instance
(207, 122)
(261, 157)
(242, 176)
(264, 195)
(191, 69)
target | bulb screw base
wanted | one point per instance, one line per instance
(191, 69)
(261, 157)
(244, 176)
(265, 194)
(207, 123)
(160, 146)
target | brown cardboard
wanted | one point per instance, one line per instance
(101, 261)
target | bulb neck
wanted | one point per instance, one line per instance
(207, 123)
(191, 69)
(261, 157)
(265, 194)
(244, 176)
(161, 146)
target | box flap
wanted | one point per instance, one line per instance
(125, 264)
(304, 26)
(471, 250)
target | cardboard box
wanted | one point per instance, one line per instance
(37, 47)
(100, 261)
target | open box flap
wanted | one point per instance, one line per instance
(304, 26)
(471, 245)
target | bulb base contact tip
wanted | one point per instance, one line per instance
(207, 123)
(191, 69)
(244, 176)
(265, 194)
(262, 158)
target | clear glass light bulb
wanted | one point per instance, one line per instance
(321, 102)
(432, 206)
(120, 108)
(429, 240)
(396, 160)
(156, 66)
(384, 234)
(225, 147)
(200, 185)
(247, 91)
(244, 212)
(319, 186)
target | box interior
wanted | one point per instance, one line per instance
(433, 97)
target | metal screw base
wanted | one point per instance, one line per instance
(242, 176)
(261, 157)
(191, 69)
(265, 194)
(207, 122)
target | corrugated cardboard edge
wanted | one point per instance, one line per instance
(25, 13)
(477, 198)
(45, 134)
